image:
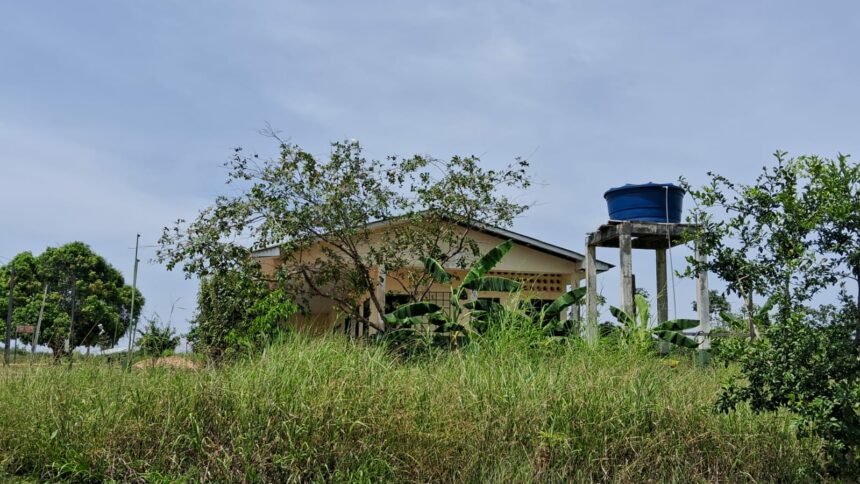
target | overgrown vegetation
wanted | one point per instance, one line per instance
(506, 408)
(790, 236)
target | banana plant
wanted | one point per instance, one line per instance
(476, 279)
(636, 330)
(549, 318)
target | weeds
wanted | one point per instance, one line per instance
(504, 408)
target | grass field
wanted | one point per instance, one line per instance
(501, 410)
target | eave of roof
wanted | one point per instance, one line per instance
(539, 245)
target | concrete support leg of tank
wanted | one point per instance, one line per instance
(625, 251)
(662, 294)
(591, 295)
(704, 308)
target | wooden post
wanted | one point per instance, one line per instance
(703, 305)
(625, 249)
(591, 295)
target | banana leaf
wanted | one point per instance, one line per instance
(733, 321)
(622, 317)
(643, 309)
(412, 310)
(766, 307)
(403, 322)
(493, 283)
(564, 301)
(677, 325)
(486, 263)
(677, 339)
(484, 305)
(450, 328)
(436, 271)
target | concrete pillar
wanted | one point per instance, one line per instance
(703, 304)
(591, 295)
(662, 288)
(662, 295)
(625, 250)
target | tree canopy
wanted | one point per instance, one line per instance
(299, 199)
(77, 279)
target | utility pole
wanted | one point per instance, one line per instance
(9, 316)
(39, 322)
(69, 347)
(131, 320)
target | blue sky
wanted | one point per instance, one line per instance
(115, 117)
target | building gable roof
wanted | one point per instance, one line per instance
(501, 233)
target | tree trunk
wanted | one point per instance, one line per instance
(750, 313)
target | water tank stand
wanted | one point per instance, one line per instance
(656, 236)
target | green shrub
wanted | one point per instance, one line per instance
(238, 313)
(156, 341)
(813, 371)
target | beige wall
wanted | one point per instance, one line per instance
(545, 276)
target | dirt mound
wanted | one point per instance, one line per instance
(169, 362)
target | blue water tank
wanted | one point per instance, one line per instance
(646, 202)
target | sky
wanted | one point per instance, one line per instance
(116, 117)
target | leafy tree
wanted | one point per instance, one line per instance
(834, 190)
(759, 238)
(155, 340)
(300, 199)
(237, 312)
(77, 279)
(788, 236)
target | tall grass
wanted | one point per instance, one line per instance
(505, 408)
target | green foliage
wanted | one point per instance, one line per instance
(811, 370)
(328, 410)
(238, 313)
(73, 273)
(298, 200)
(637, 333)
(549, 317)
(834, 189)
(451, 324)
(155, 340)
(759, 238)
(789, 236)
